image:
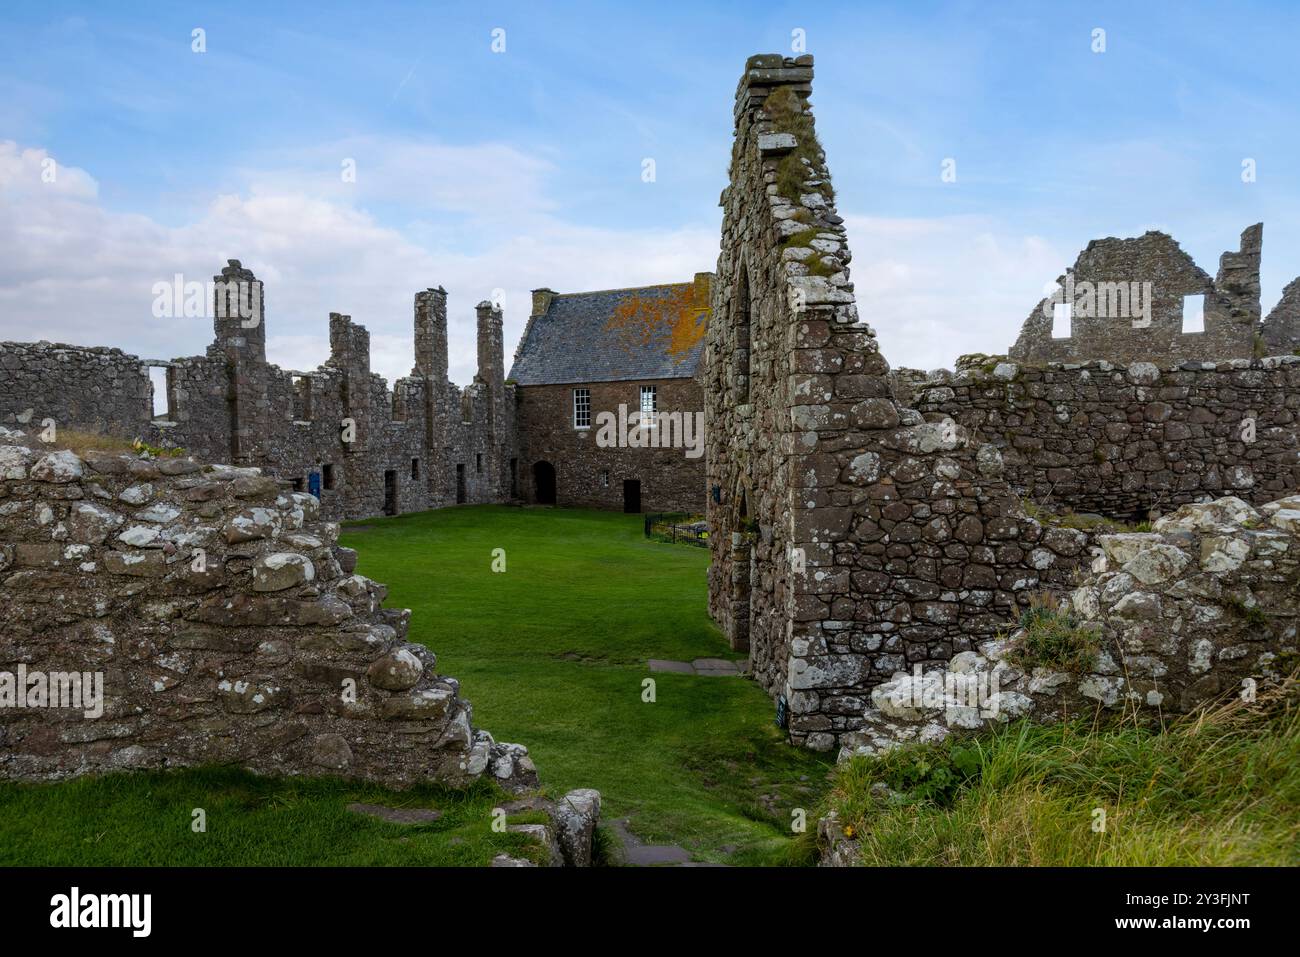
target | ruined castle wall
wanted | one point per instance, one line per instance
(1123, 442)
(1107, 325)
(850, 537)
(225, 623)
(105, 389)
(591, 476)
(231, 405)
(1281, 329)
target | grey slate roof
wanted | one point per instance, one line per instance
(652, 332)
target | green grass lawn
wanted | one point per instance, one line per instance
(551, 652)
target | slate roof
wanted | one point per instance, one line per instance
(651, 332)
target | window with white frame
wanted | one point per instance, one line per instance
(604, 479)
(582, 408)
(649, 404)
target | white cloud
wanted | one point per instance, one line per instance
(72, 270)
(934, 289)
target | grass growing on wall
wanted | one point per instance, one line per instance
(1220, 788)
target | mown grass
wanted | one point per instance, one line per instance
(553, 651)
(148, 819)
(1218, 788)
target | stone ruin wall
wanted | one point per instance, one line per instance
(850, 537)
(243, 657)
(1129, 442)
(231, 405)
(1109, 326)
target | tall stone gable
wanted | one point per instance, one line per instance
(851, 538)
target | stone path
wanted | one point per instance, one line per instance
(709, 667)
(637, 853)
(397, 815)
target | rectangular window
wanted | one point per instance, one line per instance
(297, 484)
(1062, 312)
(582, 408)
(1194, 313)
(301, 398)
(649, 404)
(478, 461)
(327, 475)
(160, 380)
(604, 479)
(415, 468)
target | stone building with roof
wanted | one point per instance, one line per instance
(608, 411)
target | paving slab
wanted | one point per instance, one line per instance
(397, 815)
(683, 667)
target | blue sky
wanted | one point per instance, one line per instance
(488, 171)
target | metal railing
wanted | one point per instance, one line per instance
(677, 528)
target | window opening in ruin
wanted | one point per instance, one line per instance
(301, 398)
(399, 406)
(460, 484)
(390, 492)
(649, 405)
(298, 484)
(160, 381)
(466, 407)
(478, 462)
(742, 323)
(327, 473)
(604, 479)
(415, 468)
(1062, 320)
(1194, 313)
(582, 408)
(514, 478)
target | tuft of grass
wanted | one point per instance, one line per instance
(1050, 637)
(1217, 788)
(785, 109)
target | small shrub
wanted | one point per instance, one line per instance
(1052, 638)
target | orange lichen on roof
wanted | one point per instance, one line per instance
(674, 323)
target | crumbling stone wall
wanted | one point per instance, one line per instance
(1205, 604)
(424, 444)
(1281, 330)
(1106, 282)
(227, 625)
(1126, 442)
(849, 536)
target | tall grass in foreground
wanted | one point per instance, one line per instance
(1221, 787)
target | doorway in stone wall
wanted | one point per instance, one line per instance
(390, 492)
(544, 483)
(632, 496)
(460, 485)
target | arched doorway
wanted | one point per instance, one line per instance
(544, 483)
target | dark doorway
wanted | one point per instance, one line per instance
(460, 485)
(632, 495)
(390, 492)
(544, 483)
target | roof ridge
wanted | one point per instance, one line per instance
(597, 292)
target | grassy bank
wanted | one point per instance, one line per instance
(1221, 788)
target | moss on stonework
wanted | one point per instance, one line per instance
(785, 108)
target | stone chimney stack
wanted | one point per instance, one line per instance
(431, 334)
(542, 300)
(491, 357)
(239, 313)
